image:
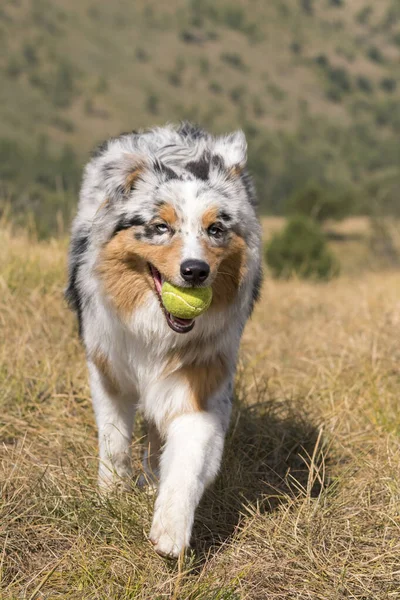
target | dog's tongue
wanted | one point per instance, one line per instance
(183, 322)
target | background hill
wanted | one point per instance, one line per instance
(313, 83)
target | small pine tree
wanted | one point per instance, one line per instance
(301, 249)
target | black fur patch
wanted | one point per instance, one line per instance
(100, 149)
(165, 171)
(256, 291)
(218, 162)
(224, 216)
(189, 130)
(248, 183)
(149, 233)
(126, 222)
(200, 168)
(79, 246)
(120, 191)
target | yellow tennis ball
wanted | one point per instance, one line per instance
(185, 303)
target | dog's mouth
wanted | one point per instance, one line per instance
(176, 324)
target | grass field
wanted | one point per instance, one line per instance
(307, 505)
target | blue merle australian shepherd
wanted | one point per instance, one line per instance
(168, 204)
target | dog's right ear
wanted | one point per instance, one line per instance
(232, 148)
(121, 174)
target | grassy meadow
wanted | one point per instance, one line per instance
(307, 505)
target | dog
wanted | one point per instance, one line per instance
(174, 204)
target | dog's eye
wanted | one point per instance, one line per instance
(162, 228)
(215, 231)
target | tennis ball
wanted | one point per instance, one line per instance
(185, 303)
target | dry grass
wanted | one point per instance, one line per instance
(308, 503)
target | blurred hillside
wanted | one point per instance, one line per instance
(314, 83)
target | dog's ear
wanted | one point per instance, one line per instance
(232, 148)
(121, 174)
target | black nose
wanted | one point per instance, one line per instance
(195, 271)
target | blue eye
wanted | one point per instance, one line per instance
(215, 230)
(162, 228)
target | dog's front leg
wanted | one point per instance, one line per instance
(115, 413)
(189, 462)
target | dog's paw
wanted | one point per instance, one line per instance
(111, 483)
(168, 537)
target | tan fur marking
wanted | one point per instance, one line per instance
(203, 381)
(165, 258)
(103, 204)
(168, 214)
(203, 376)
(209, 217)
(124, 274)
(133, 177)
(230, 265)
(123, 268)
(101, 362)
(235, 171)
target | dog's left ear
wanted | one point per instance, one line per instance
(121, 174)
(232, 148)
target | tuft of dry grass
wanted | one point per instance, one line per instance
(307, 505)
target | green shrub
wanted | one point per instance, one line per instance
(307, 6)
(396, 38)
(235, 18)
(30, 54)
(62, 124)
(175, 76)
(63, 85)
(276, 92)
(364, 15)
(296, 47)
(375, 54)
(14, 67)
(334, 94)
(102, 85)
(204, 65)
(340, 78)
(389, 84)
(387, 114)
(141, 55)
(258, 107)
(215, 87)
(322, 60)
(301, 249)
(152, 103)
(237, 94)
(364, 84)
(234, 60)
(320, 203)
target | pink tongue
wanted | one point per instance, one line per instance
(181, 321)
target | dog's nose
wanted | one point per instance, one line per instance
(195, 271)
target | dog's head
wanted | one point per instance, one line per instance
(181, 213)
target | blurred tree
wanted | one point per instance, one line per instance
(301, 249)
(319, 203)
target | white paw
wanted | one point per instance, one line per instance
(169, 537)
(109, 481)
